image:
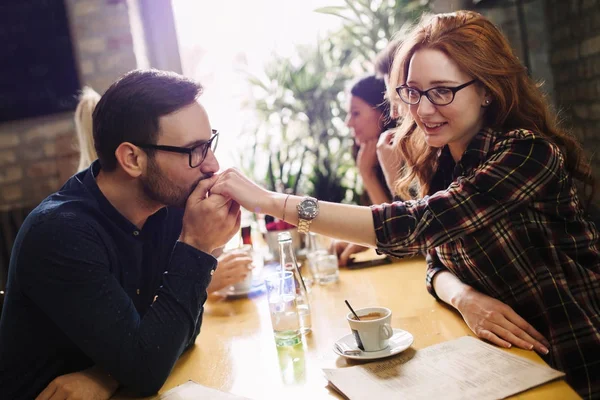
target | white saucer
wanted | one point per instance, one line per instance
(400, 341)
(256, 287)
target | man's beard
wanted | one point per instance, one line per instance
(161, 190)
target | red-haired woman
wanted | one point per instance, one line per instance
(499, 216)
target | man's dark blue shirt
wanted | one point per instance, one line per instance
(87, 287)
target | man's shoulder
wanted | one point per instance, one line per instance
(65, 204)
(60, 213)
(61, 225)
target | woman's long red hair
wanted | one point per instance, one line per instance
(479, 49)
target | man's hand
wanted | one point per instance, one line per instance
(492, 320)
(91, 384)
(344, 250)
(233, 267)
(209, 220)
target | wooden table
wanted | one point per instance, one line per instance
(235, 351)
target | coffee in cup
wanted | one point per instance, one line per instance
(373, 330)
(369, 316)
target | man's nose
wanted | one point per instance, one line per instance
(210, 163)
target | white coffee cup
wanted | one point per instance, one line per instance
(373, 331)
(246, 284)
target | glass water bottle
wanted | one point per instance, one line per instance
(288, 263)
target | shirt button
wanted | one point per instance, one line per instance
(135, 233)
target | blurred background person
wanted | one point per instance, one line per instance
(373, 122)
(389, 158)
(83, 126)
(369, 117)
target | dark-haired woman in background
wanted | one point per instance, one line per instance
(368, 117)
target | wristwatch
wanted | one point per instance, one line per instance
(308, 209)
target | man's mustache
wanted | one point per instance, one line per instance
(206, 176)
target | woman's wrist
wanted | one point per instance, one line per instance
(281, 205)
(368, 174)
(461, 292)
(450, 289)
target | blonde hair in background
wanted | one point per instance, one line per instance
(83, 125)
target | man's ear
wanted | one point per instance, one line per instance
(131, 158)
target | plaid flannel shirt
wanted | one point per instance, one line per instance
(507, 221)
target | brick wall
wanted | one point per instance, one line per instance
(504, 15)
(37, 155)
(575, 61)
(536, 32)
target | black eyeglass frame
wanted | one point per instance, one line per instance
(186, 150)
(426, 92)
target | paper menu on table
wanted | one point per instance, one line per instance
(193, 391)
(458, 369)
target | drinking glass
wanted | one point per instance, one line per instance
(327, 268)
(322, 263)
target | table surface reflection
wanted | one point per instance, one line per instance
(235, 351)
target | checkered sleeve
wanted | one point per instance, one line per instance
(434, 265)
(521, 166)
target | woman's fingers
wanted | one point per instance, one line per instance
(386, 139)
(338, 247)
(516, 319)
(485, 313)
(345, 256)
(513, 338)
(492, 338)
(503, 326)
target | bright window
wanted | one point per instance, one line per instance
(221, 42)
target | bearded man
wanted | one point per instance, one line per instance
(108, 276)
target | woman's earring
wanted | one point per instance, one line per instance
(487, 102)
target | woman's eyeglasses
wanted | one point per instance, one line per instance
(439, 96)
(196, 154)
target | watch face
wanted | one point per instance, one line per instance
(308, 209)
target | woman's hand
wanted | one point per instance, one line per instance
(492, 320)
(232, 184)
(344, 250)
(233, 267)
(367, 163)
(366, 160)
(388, 158)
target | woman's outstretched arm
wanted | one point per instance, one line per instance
(342, 221)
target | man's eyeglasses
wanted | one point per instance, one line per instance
(196, 154)
(439, 96)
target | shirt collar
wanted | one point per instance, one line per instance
(445, 159)
(476, 151)
(479, 147)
